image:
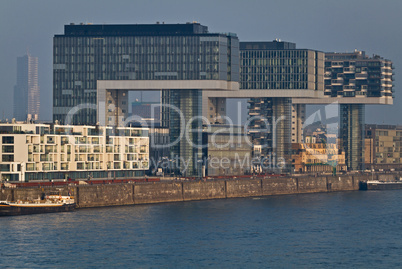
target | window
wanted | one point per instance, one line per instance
(8, 139)
(8, 149)
(7, 158)
(4, 167)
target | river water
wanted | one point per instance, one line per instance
(331, 230)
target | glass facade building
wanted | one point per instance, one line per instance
(276, 66)
(351, 134)
(85, 54)
(26, 91)
(186, 141)
(263, 68)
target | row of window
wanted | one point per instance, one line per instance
(298, 54)
(87, 166)
(76, 175)
(123, 41)
(274, 85)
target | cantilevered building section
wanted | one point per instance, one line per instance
(357, 75)
(26, 91)
(95, 66)
(279, 69)
(356, 80)
(86, 54)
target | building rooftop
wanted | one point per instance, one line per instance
(383, 126)
(356, 55)
(55, 129)
(267, 45)
(157, 29)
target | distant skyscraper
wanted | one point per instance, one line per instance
(26, 91)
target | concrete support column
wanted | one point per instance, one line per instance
(116, 107)
(270, 129)
(282, 147)
(185, 126)
(165, 111)
(298, 118)
(352, 134)
(214, 109)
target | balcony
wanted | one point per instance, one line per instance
(338, 81)
(50, 140)
(348, 70)
(46, 158)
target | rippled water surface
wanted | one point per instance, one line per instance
(351, 229)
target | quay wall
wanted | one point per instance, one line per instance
(243, 188)
(312, 184)
(276, 186)
(104, 195)
(201, 190)
(158, 192)
(177, 191)
(7, 194)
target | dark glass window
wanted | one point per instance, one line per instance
(8, 139)
(7, 158)
(8, 149)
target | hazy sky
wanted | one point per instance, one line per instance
(344, 25)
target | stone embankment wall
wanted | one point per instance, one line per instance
(161, 192)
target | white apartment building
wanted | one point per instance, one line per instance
(46, 152)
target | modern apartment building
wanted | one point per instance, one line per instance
(26, 91)
(94, 67)
(383, 147)
(54, 152)
(356, 80)
(357, 75)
